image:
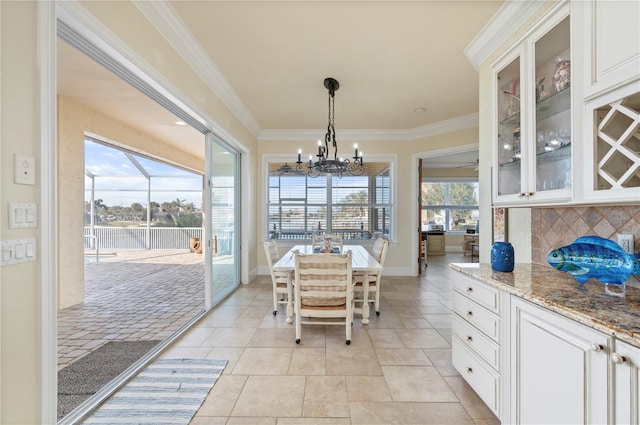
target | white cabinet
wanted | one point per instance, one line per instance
(533, 121)
(611, 44)
(477, 339)
(626, 392)
(559, 368)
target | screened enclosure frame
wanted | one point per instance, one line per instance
(141, 167)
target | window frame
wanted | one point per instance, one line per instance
(392, 160)
(447, 207)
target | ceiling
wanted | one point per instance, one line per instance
(400, 65)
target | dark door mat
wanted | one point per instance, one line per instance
(84, 377)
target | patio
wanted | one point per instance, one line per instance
(134, 295)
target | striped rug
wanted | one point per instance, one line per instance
(168, 391)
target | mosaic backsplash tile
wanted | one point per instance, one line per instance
(555, 227)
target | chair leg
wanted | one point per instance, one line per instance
(348, 321)
(298, 328)
(275, 302)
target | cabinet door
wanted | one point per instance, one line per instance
(551, 89)
(612, 44)
(533, 149)
(508, 172)
(626, 396)
(559, 368)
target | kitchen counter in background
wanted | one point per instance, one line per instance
(559, 292)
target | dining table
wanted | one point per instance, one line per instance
(361, 261)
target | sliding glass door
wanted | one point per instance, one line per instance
(223, 219)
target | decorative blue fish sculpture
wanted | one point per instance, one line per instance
(593, 256)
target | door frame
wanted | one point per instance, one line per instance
(76, 16)
(416, 160)
(208, 232)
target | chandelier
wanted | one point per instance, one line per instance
(324, 164)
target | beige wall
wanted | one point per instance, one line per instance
(73, 121)
(19, 301)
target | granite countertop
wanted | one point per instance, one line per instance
(559, 292)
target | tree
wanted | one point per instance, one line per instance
(356, 212)
(433, 194)
(139, 211)
(178, 205)
(100, 209)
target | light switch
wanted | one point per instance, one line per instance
(19, 215)
(30, 251)
(31, 213)
(7, 253)
(19, 251)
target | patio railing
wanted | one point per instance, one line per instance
(136, 238)
(347, 234)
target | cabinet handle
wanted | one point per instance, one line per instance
(597, 347)
(469, 313)
(470, 289)
(470, 338)
(469, 370)
(618, 359)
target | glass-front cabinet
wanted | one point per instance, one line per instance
(532, 152)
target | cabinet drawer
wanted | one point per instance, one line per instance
(488, 350)
(484, 295)
(478, 316)
(482, 378)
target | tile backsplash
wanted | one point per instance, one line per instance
(555, 227)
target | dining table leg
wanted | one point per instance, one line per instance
(290, 297)
(365, 296)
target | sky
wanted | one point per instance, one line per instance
(118, 181)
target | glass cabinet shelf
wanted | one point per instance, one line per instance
(563, 151)
(546, 107)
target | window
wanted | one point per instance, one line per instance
(358, 207)
(453, 204)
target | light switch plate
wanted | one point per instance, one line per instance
(24, 168)
(17, 251)
(23, 215)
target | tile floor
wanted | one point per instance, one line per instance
(397, 369)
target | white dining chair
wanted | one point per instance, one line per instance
(278, 279)
(323, 291)
(379, 252)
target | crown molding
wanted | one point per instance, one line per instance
(508, 18)
(454, 124)
(167, 21)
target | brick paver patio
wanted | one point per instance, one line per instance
(133, 295)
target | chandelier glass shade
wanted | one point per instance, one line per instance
(324, 164)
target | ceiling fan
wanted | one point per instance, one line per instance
(475, 165)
